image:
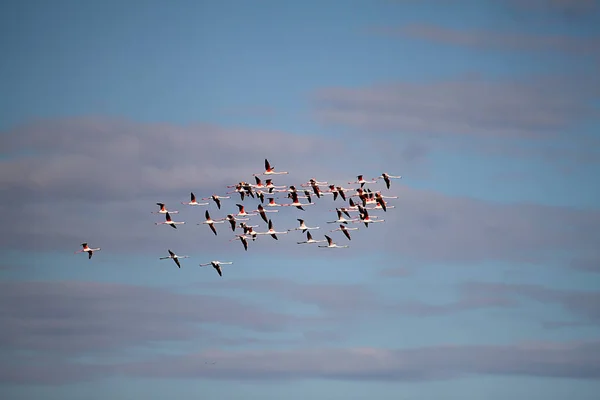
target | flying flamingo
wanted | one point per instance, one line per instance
(263, 213)
(364, 218)
(269, 185)
(386, 177)
(169, 221)
(341, 218)
(270, 170)
(296, 203)
(271, 231)
(272, 203)
(313, 182)
(303, 227)
(163, 210)
(359, 179)
(216, 199)
(210, 222)
(175, 258)
(242, 212)
(231, 218)
(332, 245)
(309, 239)
(87, 249)
(193, 201)
(216, 265)
(345, 230)
(242, 239)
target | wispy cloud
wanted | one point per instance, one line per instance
(478, 295)
(538, 107)
(80, 317)
(566, 360)
(488, 39)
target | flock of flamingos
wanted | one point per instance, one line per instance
(365, 200)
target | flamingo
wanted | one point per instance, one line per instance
(303, 227)
(175, 258)
(359, 179)
(379, 207)
(317, 190)
(260, 195)
(272, 203)
(313, 182)
(210, 222)
(231, 218)
(248, 230)
(216, 199)
(310, 240)
(341, 218)
(217, 265)
(271, 231)
(263, 213)
(345, 230)
(332, 245)
(169, 221)
(193, 201)
(270, 170)
(259, 184)
(242, 239)
(87, 249)
(387, 178)
(163, 210)
(269, 185)
(242, 212)
(296, 202)
(364, 218)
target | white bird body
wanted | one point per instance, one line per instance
(193, 201)
(87, 249)
(310, 240)
(174, 257)
(169, 221)
(163, 210)
(217, 265)
(332, 245)
(303, 226)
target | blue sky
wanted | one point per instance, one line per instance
(484, 278)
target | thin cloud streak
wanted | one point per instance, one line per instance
(487, 39)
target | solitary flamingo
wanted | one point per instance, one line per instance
(193, 201)
(345, 230)
(175, 258)
(216, 265)
(87, 249)
(216, 199)
(169, 221)
(270, 170)
(303, 227)
(387, 178)
(210, 222)
(309, 239)
(332, 245)
(163, 210)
